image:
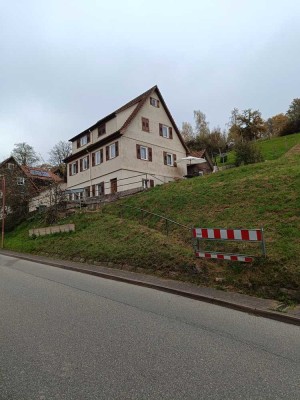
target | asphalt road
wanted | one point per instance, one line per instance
(66, 335)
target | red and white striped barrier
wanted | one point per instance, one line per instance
(220, 256)
(252, 235)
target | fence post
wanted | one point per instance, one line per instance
(263, 244)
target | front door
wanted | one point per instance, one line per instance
(113, 185)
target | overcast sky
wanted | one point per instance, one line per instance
(66, 64)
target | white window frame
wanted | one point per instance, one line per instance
(85, 163)
(10, 166)
(146, 153)
(165, 131)
(20, 181)
(170, 160)
(83, 140)
(73, 168)
(98, 159)
(112, 151)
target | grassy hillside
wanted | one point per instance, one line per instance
(265, 194)
(271, 149)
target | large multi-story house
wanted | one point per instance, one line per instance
(138, 145)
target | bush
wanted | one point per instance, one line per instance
(247, 153)
(290, 127)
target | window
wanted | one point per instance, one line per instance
(84, 163)
(100, 189)
(112, 151)
(97, 157)
(145, 124)
(20, 181)
(165, 131)
(10, 165)
(170, 159)
(154, 102)
(84, 140)
(101, 130)
(73, 168)
(87, 192)
(143, 152)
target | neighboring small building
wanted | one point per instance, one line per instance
(203, 168)
(136, 146)
(23, 183)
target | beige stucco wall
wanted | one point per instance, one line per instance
(135, 135)
(111, 126)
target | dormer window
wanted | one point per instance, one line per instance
(154, 102)
(101, 130)
(84, 140)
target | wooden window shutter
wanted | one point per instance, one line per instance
(107, 152)
(88, 161)
(160, 130)
(93, 159)
(102, 188)
(138, 151)
(101, 155)
(145, 124)
(70, 169)
(174, 160)
(117, 149)
(76, 166)
(165, 158)
(150, 153)
(80, 164)
(93, 190)
(170, 133)
(151, 183)
(88, 138)
(78, 143)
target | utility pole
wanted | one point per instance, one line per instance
(3, 211)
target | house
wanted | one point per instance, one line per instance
(202, 168)
(136, 146)
(23, 183)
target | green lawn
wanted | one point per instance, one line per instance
(277, 146)
(265, 194)
(271, 149)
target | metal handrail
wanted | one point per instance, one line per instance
(157, 215)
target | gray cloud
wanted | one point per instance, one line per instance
(64, 65)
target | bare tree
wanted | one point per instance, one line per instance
(187, 131)
(25, 154)
(202, 126)
(59, 152)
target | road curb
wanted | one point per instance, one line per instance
(286, 318)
